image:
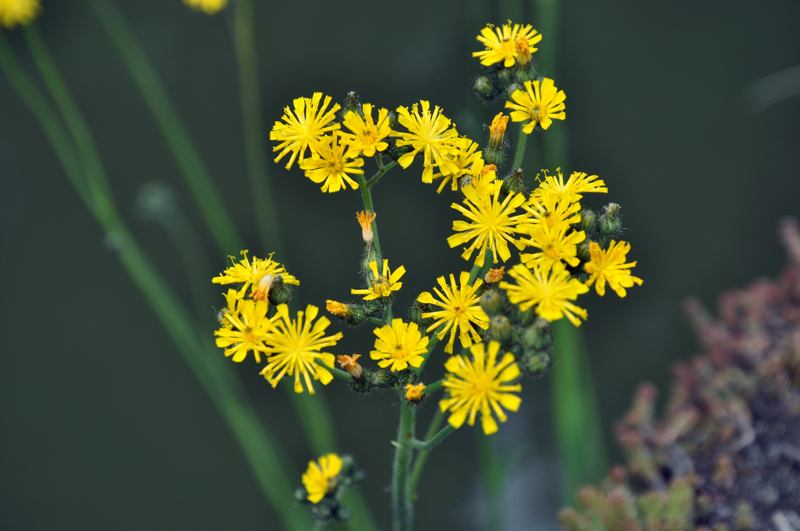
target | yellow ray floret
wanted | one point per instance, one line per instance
(399, 345)
(491, 224)
(295, 347)
(481, 385)
(13, 12)
(332, 165)
(558, 244)
(209, 7)
(540, 102)
(460, 310)
(367, 137)
(246, 330)
(577, 184)
(320, 477)
(260, 274)
(383, 284)
(304, 128)
(431, 134)
(501, 43)
(549, 293)
(609, 266)
(464, 160)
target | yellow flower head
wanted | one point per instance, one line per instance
(557, 244)
(497, 131)
(209, 7)
(304, 128)
(492, 225)
(350, 364)
(540, 102)
(399, 345)
(577, 184)
(550, 293)
(430, 133)
(464, 159)
(414, 392)
(523, 48)
(234, 301)
(367, 137)
(501, 44)
(481, 384)
(13, 12)
(381, 285)
(295, 346)
(461, 309)
(365, 219)
(609, 266)
(332, 165)
(495, 275)
(247, 330)
(260, 274)
(320, 477)
(338, 309)
(550, 212)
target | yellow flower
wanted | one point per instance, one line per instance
(464, 159)
(523, 49)
(577, 184)
(260, 274)
(501, 43)
(331, 165)
(555, 244)
(295, 346)
(497, 131)
(609, 266)
(234, 301)
(492, 224)
(481, 385)
(365, 219)
(367, 137)
(338, 309)
(550, 293)
(247, 330)
(350, 364)
(13, 12)
(460, 309)
(381, 285)
(209, 7)
(431, 134)
(414, 392)
(541, 104)
(304, 128)
(399, 345)
(550, 212)
(481, 177)
(320, 477)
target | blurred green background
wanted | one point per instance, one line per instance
(102, 426)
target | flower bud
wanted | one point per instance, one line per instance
(352, 103)
(350, 364)
(370, 255)
(365, 219)
(524, 318)
(504, 77)
(588, 218)
(583, 250)
(394, 151)
(538, 336)
(492, 303)
(280, 293)
(513, 87)
(485, 89)
(381, 378)
(514, 181)
(535, 363)
(500, 328)
(610, 223)
(414, 393)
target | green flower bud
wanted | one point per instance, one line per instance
(514, 182)
(513, 87)
(504, 77)
(394, 151)
(538, 336)
(500, 328)
(492, 303)
(380, 378)
(280, 293)
(583, 251)
(588, 218)
(535, 363)
(485, 89)
(352, 103)
(610, 223)
(392, 117)
(370, 255)
(523, 73)
(494, 156)
(524, 318)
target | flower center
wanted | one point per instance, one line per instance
(381, 286)
(398, 352)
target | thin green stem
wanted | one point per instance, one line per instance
(493, 479)
(432, 388)
(434, 441)
(434, 340)
(402, 508)
(216, 376)
(519, 154)
(366, 198)
(419, 462)
(344, 375)
(254, 136)
(186, 155)
(383, 169)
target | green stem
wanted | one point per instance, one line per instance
(216, 376)
(402, 508)
(186, 155)
(366, 198)
(493, 479)
(519, 154)
(254, 136)
(383, 169)
(434, 340)
(344, 375)
(434, 441)
(432, 388)
(419, 462)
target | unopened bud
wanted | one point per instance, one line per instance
(583, 251)
(492, 302)
(380, 378)
(365, 219)
(485, 89)
(514, 87)
(535, 364)
(504, 77)
(497, 131)
(352, 103)
(538, 336)
(588, 218)
(280, 293)
(500, 328)
(610, 223)
(514, 181)
(524, 317)
(414, 393)
(370, 255)
(350, 364)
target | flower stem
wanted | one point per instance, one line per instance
(432, 388)
(434, 441)
(366, 197)
(419, 462)
(172, 128)
(431, 345)
(254, 136)
(519, 154)
(402, 508)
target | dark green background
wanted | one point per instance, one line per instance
(102, 426)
